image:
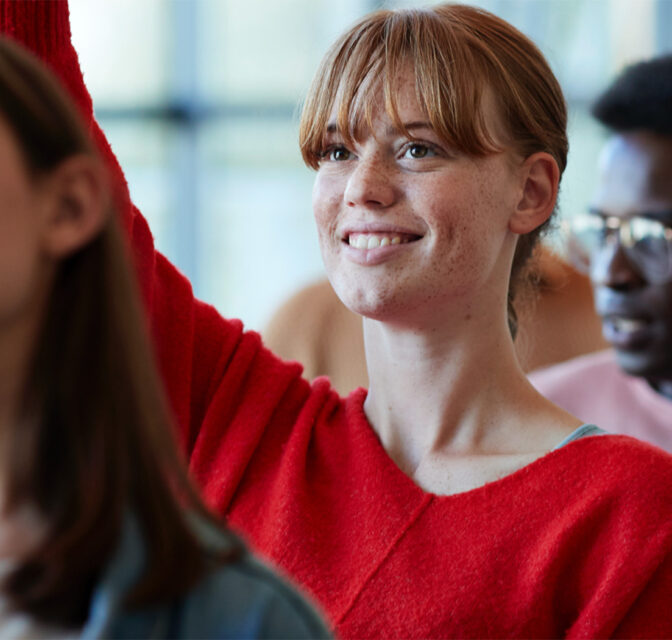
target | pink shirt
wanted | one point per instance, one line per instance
(596, 390)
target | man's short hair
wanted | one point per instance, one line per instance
(639, 98)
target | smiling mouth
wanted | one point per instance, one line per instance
(626, 325)
(375, 240)
(626, 333)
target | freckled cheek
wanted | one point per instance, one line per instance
(450, 220)
(461, 231)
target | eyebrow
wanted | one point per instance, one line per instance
(332, 127)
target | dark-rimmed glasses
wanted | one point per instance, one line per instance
(646, 240)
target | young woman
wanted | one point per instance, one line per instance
(101, 534)
(451, 499)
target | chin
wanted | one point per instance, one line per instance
(369, 304)
(373, 309)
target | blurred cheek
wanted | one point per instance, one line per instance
(22, 263)
(17, 282)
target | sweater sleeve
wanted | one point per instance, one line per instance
(198, 351)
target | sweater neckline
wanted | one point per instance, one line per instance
(373, 444)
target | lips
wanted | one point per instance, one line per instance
(626, 332)
(628, 322)
(374, 240)
(372, 244)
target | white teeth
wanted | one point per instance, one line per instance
(361, 242)
(372, 240)
(626, 325)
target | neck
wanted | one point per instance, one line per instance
(456, 389)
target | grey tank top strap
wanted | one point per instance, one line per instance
(583, 431)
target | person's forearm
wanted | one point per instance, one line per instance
(44, 28)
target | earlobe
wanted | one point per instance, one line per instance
(540, 178)
(76, 205)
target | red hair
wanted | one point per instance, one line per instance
(456, 52)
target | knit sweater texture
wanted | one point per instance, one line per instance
(576, 544)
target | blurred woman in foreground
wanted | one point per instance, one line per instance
(101, 533)
(451, 500)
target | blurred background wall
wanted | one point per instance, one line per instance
(200, 100)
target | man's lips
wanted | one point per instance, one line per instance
(626, 332)
(627, 322)
(625, 305)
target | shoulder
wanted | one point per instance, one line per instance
(586, 364)
(616, 465)
(575, 372)
(622, 452)
(619, 510)
(245, 599)
(612, 495)
(309, 309)
(315, 328)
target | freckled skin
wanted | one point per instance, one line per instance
(460, 206)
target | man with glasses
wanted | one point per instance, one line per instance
(625, 242)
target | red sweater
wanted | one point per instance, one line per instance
(578, 543)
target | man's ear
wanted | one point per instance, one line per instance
(76, 203)
(540, 177)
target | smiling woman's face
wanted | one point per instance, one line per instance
(407, 225)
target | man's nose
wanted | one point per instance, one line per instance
(612, 267)
(370, 184)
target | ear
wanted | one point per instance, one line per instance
(76, 198)
(540, 177)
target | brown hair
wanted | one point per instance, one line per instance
(92, 442)
(456, 52)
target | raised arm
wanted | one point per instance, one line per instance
(203, 358)
(44, 28)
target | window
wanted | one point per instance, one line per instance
(200, 101)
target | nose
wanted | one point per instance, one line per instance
(370, 184)
(611, 267)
